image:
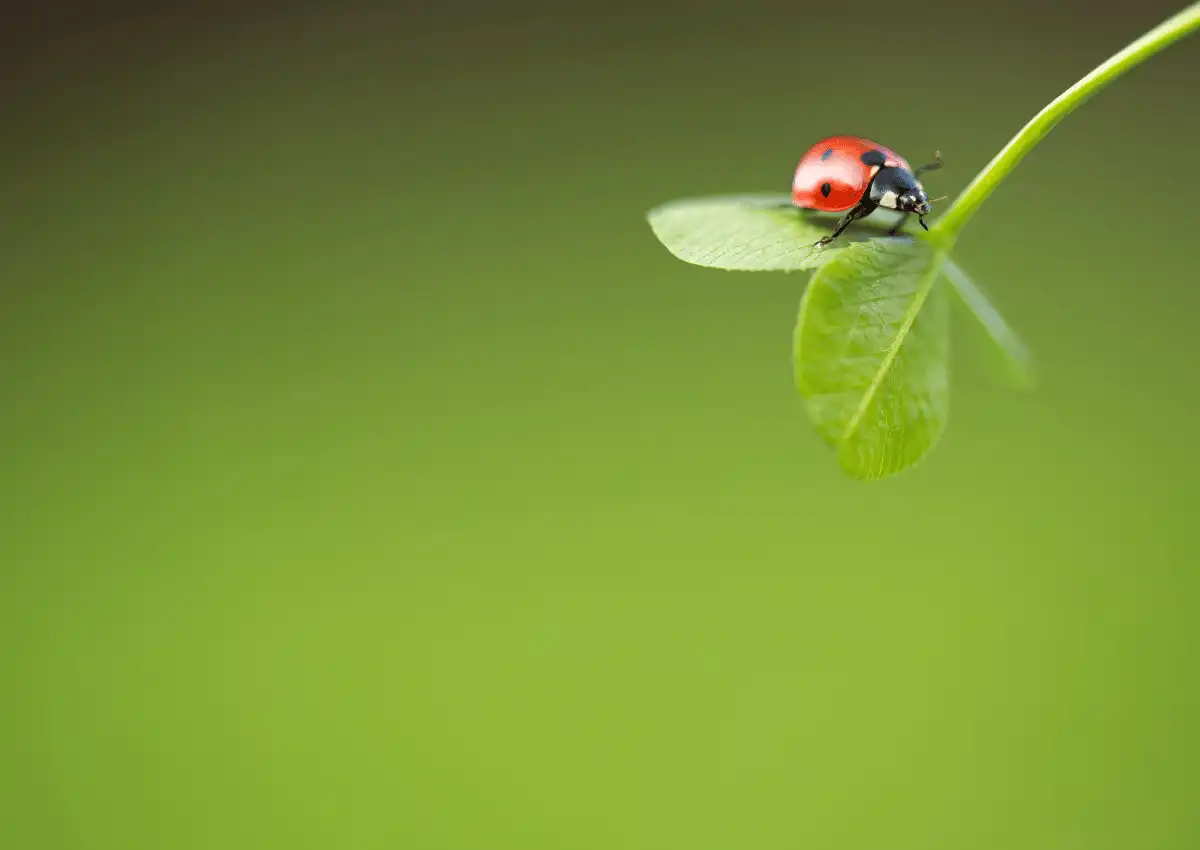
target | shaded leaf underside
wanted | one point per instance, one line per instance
(1020, 368)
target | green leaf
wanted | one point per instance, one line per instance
(872, 343)
(758, 232)
(872, 355)
(1019, 365)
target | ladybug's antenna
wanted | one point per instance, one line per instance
(932, 166)
(935, 200)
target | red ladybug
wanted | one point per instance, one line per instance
(857, 176)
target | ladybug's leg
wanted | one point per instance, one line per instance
(930, 166)
(903, 221)
(861, 210)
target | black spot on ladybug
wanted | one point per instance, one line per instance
(873, 157)
(827, 154)
(825, 190)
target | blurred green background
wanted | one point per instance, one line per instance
(373, 478)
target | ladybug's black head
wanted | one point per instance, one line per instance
(915, 201)
(899, 189)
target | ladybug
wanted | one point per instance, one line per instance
(856, 176)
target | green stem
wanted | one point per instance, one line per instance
(1159, 38)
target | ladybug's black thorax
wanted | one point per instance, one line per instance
(898, 189)
(892, 180)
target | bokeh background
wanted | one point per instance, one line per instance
(373, 478)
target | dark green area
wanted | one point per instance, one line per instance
(374, 477)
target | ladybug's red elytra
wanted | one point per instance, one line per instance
(856, 176)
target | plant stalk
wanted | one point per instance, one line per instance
(1162, 36)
